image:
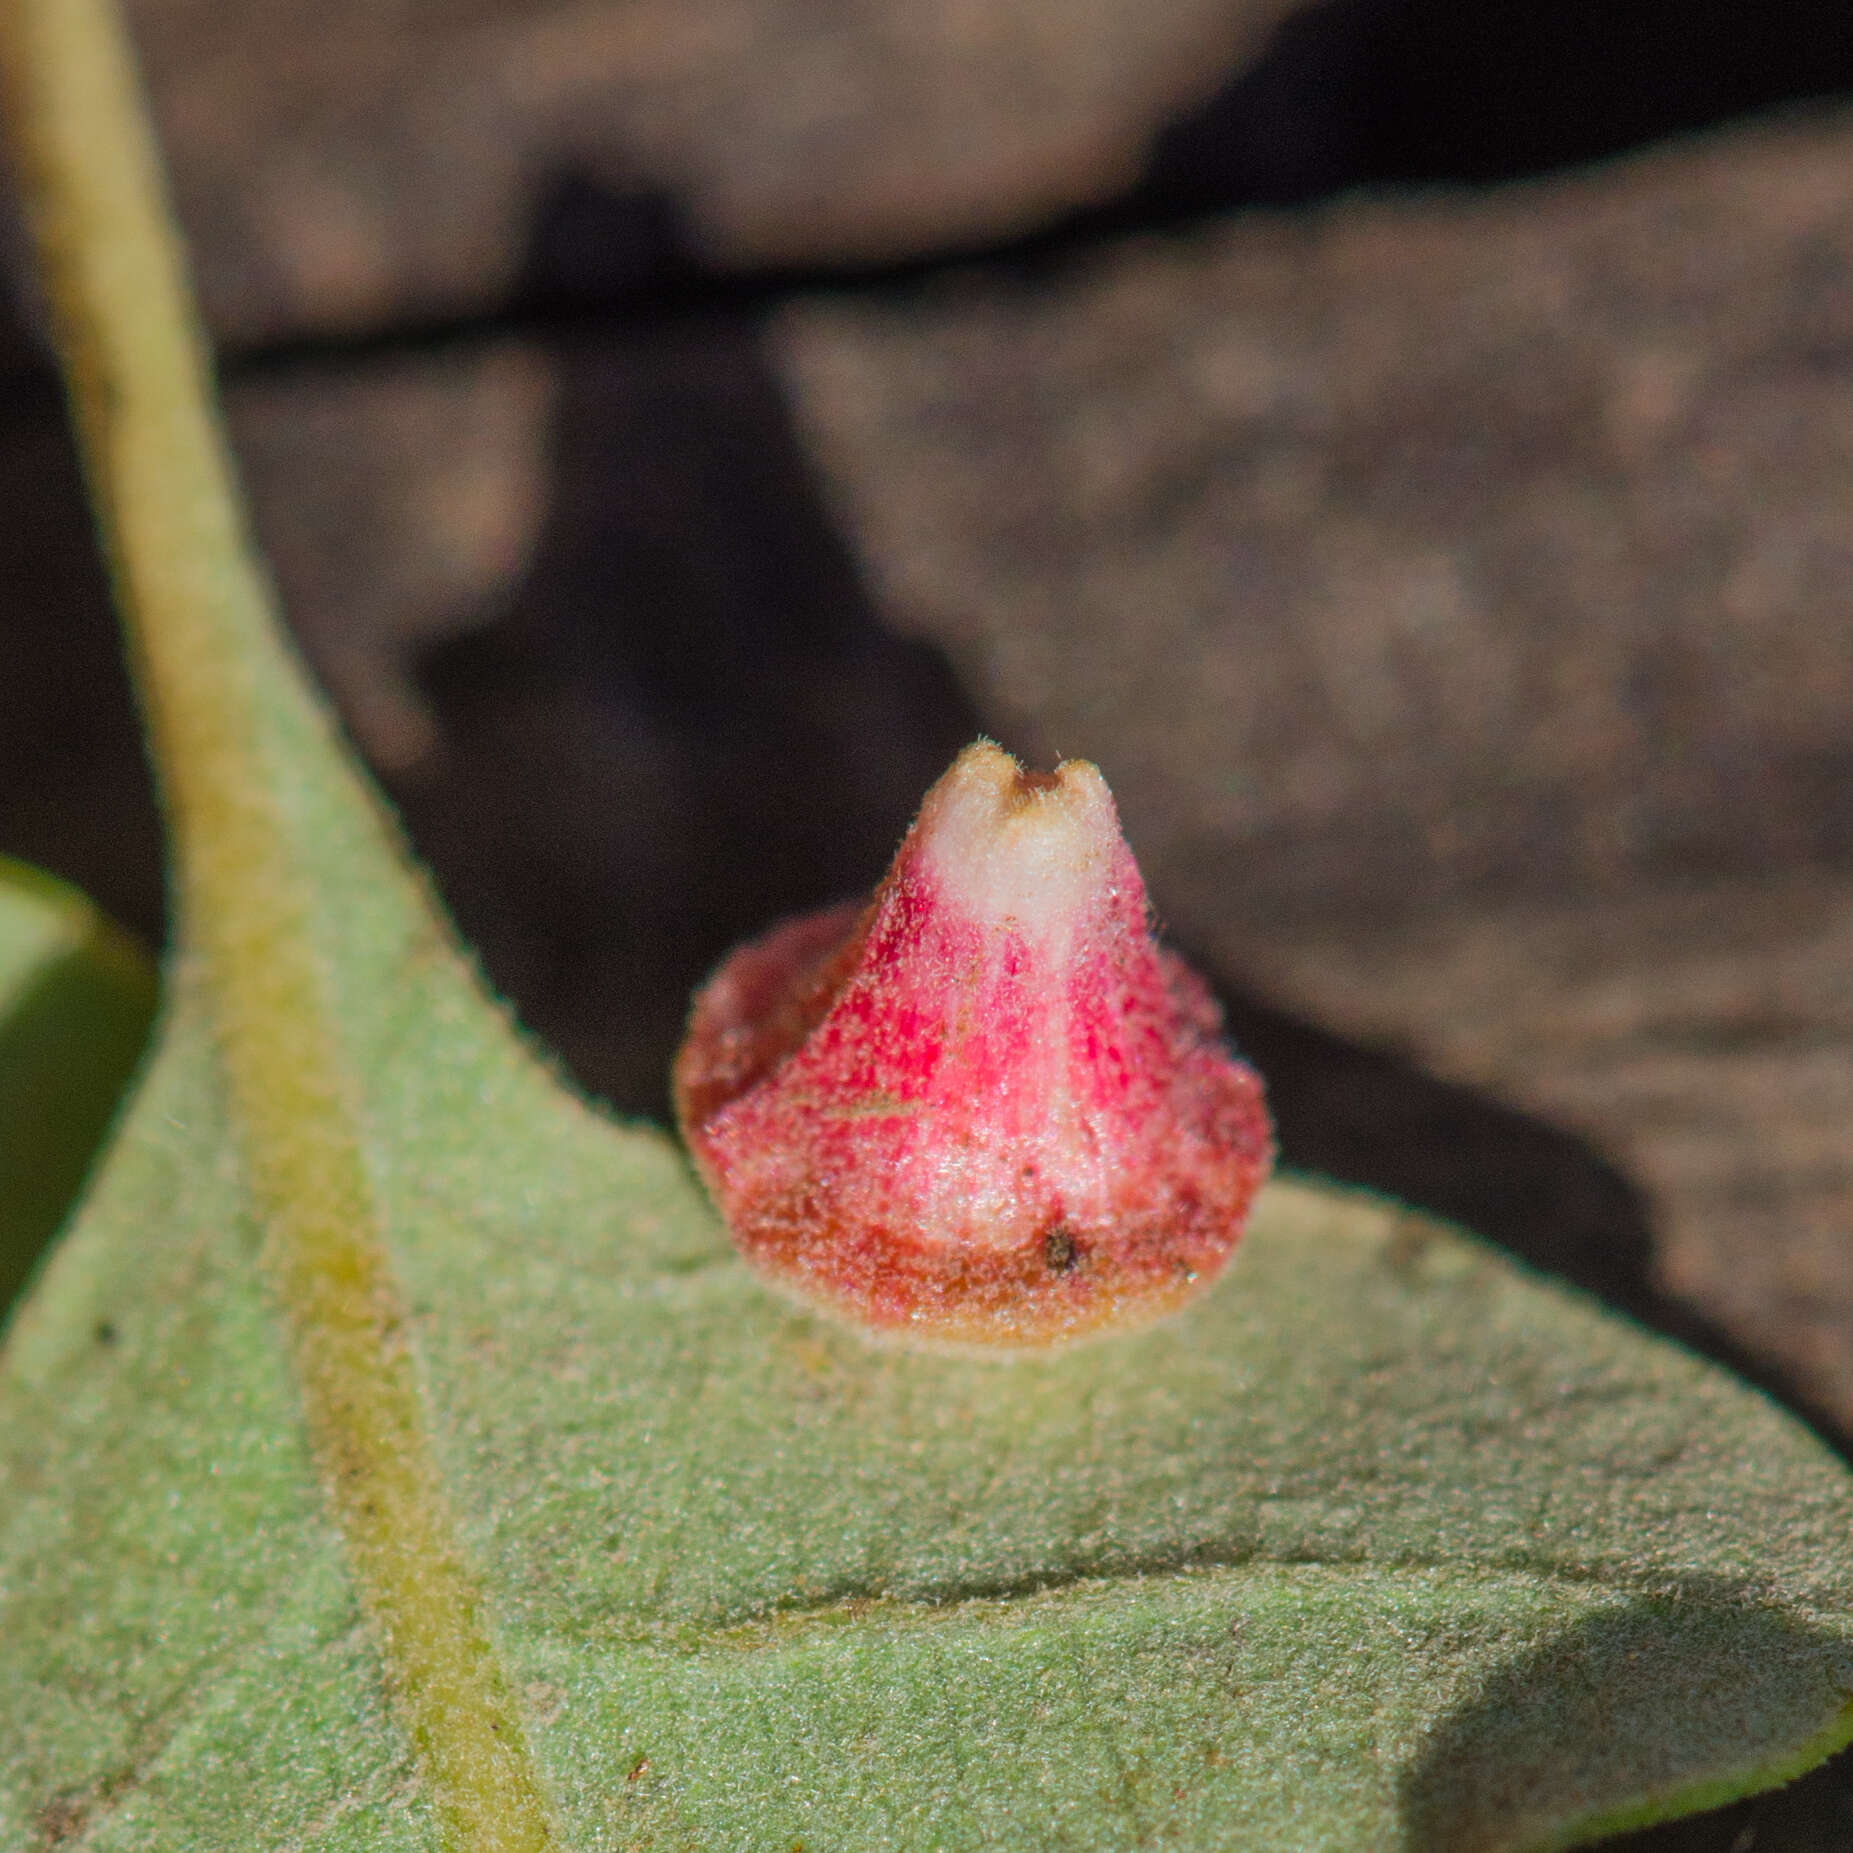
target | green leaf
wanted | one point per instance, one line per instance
(394, 1455)
(76, 999)
(1383, 1539)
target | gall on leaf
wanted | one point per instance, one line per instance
(985, 1108)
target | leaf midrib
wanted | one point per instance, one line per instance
(207, 646)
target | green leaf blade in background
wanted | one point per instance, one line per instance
(393, 1454)
(77, 997)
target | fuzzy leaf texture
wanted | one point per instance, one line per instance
(394, 1454)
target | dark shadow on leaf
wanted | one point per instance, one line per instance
(75, 792)
(1377, 93)
(591, 246)
(1671, 1688)
(76, 799)
(690, 722)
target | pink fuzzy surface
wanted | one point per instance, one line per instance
(974, 1127)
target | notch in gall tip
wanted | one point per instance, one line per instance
(985, 1108)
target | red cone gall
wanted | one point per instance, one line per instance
(985, 1108)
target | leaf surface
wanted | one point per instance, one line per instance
(76, 997)
(394, 1455)
(1382, 1544)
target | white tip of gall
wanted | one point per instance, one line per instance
(1030, 847)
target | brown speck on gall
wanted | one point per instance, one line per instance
(1060, 1250)
(986, 1108)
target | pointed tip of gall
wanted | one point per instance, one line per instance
(986, 1108)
